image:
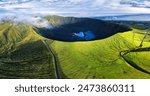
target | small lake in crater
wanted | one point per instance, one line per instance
(87, 35)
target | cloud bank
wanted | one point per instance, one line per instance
(27, 10)
(74, 7)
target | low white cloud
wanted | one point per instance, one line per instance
(147, 3)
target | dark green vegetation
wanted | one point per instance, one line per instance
(23, 53)
(63, 28)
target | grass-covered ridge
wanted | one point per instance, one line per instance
(24, 55)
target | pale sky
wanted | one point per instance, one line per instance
(78, 8)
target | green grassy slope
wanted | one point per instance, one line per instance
(23, 55)
(100, 59)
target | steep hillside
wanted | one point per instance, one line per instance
(22, 53)
(26, 54)
(79, 29)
